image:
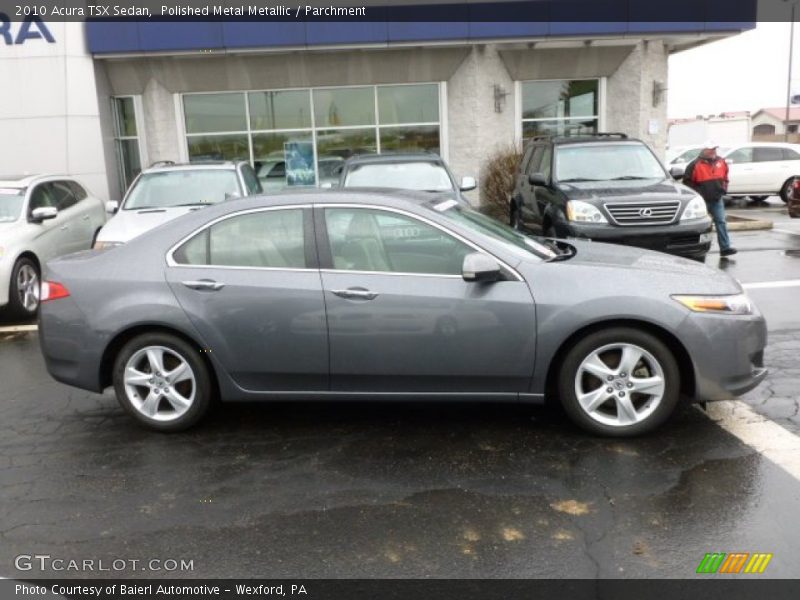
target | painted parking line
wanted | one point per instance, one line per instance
(766, 285)
(766, 437)
(18, 328)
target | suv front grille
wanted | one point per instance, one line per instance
(643, 213)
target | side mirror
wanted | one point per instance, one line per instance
(677, 172)
(43, 213)
(112, 206)
(467, 184)
(537, 179)
(478, 266)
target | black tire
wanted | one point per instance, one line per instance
(17, 308)
(203, 383)
(786, 190)
(568, 373)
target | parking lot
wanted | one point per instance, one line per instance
(411, 490)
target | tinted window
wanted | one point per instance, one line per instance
(536, 160)
(742, 155)
(375, 240)
(272, 239)
(41, 197)
(62, 193)
(422, 175)
(526, 158)
(250, 180)
(547, 160)
(182, 187)
(766, 154)
(77, 190)
(606, 162)
(789, 154)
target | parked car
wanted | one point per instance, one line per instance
(422, 171)
(794, 199)
(167, 190)
(271, 171)
(686, 155)
(609, 188)
(41, 217)
(379, 295)
(762, 169)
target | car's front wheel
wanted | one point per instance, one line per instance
(786, 190)
(619, 382)
(162, 382)
(25, 289)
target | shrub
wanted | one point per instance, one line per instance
(497, 183)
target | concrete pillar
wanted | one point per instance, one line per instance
(161, 131)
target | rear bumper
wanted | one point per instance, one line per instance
(692, 239)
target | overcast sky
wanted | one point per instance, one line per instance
(744, 72)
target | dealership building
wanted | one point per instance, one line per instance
(99, 100)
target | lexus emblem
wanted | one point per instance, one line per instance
(645, 212)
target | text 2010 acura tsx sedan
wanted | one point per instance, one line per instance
(389, 295)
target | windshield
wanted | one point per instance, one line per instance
(11, 201)
(422, 175)
(183, 187)
(496, 230)
(606, 162)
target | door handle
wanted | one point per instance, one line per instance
(355, 294)
(85, 217)
(204, 284)
(64, 227)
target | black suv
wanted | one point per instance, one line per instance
(609, 188)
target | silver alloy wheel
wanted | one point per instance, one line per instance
(619, 384)
(28, 289)
(159, 383)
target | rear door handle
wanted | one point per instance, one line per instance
(355, 294)
(64, 227)
(204, 284)
(85, 217)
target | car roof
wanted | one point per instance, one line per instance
(588, 138)
(390, 157)
(23, 181)
(167, 165)
(363, 195)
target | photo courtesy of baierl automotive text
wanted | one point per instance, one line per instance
(345, 300)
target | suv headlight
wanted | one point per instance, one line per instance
(738, 304)
(696, 209)
(583, 212)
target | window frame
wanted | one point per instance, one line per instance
(140, 139)
(326, 258)
(599, 117)
(309, 241)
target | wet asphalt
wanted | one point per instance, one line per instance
(395, 490)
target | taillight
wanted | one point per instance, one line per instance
(52, 290)
(796, 184)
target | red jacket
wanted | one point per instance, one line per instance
(708, 176)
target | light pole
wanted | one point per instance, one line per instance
(789, 75)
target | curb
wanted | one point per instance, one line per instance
(737, 223)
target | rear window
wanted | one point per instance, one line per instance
(422, 175)
(184, 187)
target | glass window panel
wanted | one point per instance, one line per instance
(218, 147)
(558, 99)
(193, 252)
(129, 159)
(344, 143)
(280, 110)
(269, 158)
(344, 106)
(264, 239)
(408, 104)
(375, 240)
(126, 117)
(767, 154)
(560, 128)
(742, 155)
(410, 139)
(206, 113)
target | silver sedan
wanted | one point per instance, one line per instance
(376, 295)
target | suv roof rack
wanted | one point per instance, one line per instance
(622, 136)
(162, 163)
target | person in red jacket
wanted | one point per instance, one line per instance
(708, 176)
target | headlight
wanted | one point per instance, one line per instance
(583, 212)
(103, 245)
(696, 209)
(738, 304)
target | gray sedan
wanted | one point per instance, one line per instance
(374, 295)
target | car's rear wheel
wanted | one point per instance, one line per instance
(25, 290)
(786, 190)
(162, 382)
(619, 382)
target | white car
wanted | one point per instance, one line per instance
(41, 217)
(167, 190)
(761, 169)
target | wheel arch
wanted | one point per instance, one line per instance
(123, 337)
(685, 365)
(32, 256)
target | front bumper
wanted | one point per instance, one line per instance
(727, 353)
(691, 239)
